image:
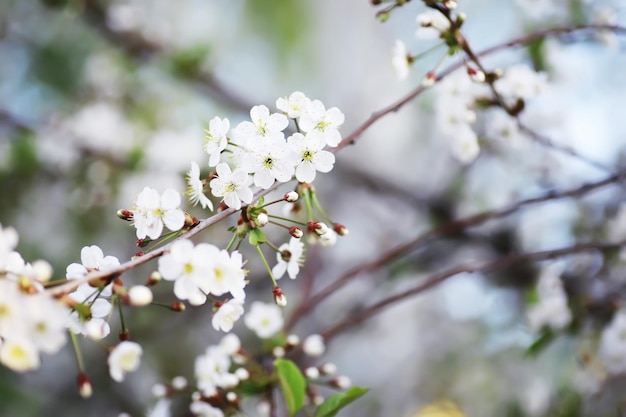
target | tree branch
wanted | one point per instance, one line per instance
(437, 278)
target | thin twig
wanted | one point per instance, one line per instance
(446, 229)
(437, 278)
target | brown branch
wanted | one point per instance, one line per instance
(140, 49)
(437, 278)
(446, 229)
(352, 138)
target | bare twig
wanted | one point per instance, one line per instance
(444, 230)
(437, 278)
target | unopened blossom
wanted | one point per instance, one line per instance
(264, 319)
(195, 188)
(215, 139)
(152, 211)
(400, 60)
(310, 156)
(314, 345)
(317, 121)
(293, 105)
(289, 257)
(124, 358)
(139, 295)
(233, 186)
(226, 316)
(270, 160)
(263, 125)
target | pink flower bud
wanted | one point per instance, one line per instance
(125, 214)
(279, 297)
(341, 230)
(295, 232)
(291, 197)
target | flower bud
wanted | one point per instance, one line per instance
(429, 80)
(314, 345)
(341, 382)
(179, 383)
(291, 197)
(139, 296)
(295, 232)
(476, 75)
(231, 397)
(159, 390)
(190, 221)
(154, 278)
(242, 373)
(177, 306)
(125, 214)
(318, 399)
(292, 341)
(84, 385)
(43, 270)
(262, 219)
(279, 297)
(328, 368)
(278, 352)
(341, 230)
(312, 372)
(450, 4)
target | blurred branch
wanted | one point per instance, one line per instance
(437, 278)
(352, 138)
(139, 49)
(445, 229)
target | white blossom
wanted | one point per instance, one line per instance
(152, 211)
(400, 60)
(215, 139)
(202, 409)
(124, 358)
(289, 257)
(234, 186)
(226, 316)
(269, 160)
(195, 188)
(431, 24)
(314, 345)
(311, 156)
(293, 105)
(264, 319)
(264, 126)
(317, 121)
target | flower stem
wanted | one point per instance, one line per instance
(269, 270)
(79, 354)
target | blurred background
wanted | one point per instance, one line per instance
(101, 98)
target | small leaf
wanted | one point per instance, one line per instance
(336, 402)
(256, 237)
(542, 342)
(292, 383)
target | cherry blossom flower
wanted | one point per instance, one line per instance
(263, 125)
(312, 157)
(202, 409)
(195, 188)
(289, 257)
(152, 211)
(212, 371)
(264, 319)
(317, 121)
(432, 23)
(400, 60)
(215, 139)
(270, 160)
(19, 355)
(202, 270)
(234, 186)
(294, 105)
(226, 316)
(124, 358)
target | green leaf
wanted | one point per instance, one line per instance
(256, 237)
(336, 402)
(292, 383)
(542, 342)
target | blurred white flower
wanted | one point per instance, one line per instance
(400, 60)
(264, 319)
(226, 316)
(124, 358)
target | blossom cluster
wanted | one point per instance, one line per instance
(31, 321)
(258, 151)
